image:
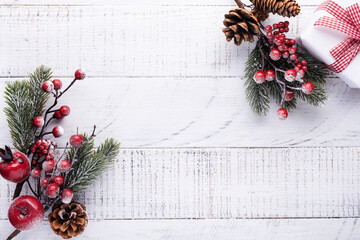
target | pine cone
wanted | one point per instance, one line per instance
(285, 8)
(241, 25)
(260, 15)
(68, 220)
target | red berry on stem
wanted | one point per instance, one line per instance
(65, 110)
(58, 131)
(77, 140)
(259, 77)
(281, 30)
(293, 57)
(304, 68)
(26, 212)
(52, 190)
(292, 42)
(282, 114)
(270, 75)
(38, 122)
(48, 166)
(14, 167)
(307, 87)
(285, 54)
(63, 166)
(286, 23)
(57, 84)
(44, 182)
(281, 24)
(268, 28)
(59, 180)
(292, 50)
(66, 196)
(286, 29)
(269, 35)
(296, 61)
(275, 54)
(275, 25)
(289, 95)
(58, 115)
(290, 75)
(79, 74)
(47, 86)
(303, 62)
(35, 173)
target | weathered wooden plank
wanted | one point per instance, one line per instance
(239, 229)
(122, 40)
(224, 183)
(138, 2)
(199, 112)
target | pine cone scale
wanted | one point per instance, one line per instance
(286, 8)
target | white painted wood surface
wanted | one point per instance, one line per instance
(162, 74)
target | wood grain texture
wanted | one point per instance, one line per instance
(284, 229)
(224, 183)
(126, 41)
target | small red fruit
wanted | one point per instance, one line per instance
(59, 180)
(275, 54)
(289, 95)
(282, 114)
(26, 212)
(52, 190)
(65, 110)
(292, 42)
(57, 84)
(79, 74)
(259, 77)
(58, 131)
(290, 75)
(38, 122)
(44, 182)
(293, 50)
(63, 166)
(303, 62)
(48, 166)
(14, 167)
(58, 115)
(307, 87)
(35, 173)
(270, 75)
(66, 196)
(47, 86)
(77, 140)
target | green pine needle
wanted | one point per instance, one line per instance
(90, 163)
(25, 100)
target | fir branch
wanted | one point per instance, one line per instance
(91, 164)
(25, 100)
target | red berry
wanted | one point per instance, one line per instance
(270, 41)
(289, 95)
(66, 196)
(48, 166)
(293, 57)
(270, 75)
(47, 86)
(259, 77)
(33, 149)
(281, 30)
(286, 23)
(299, 66)
(52, 190)
(286, 29)
(275, 54)
(275, 25)
(304, 68)
(281, 24)
(58, 115)
(287, 41)
(290, 75)
(292, 50)
(77, 140)
(38, 122)
(281, 48)
(292, 42)
(35, 173)
(296, 69)
(276, 33)
(307, 87)
(59, 180)
(44, 151)
(44, 182)
(58, 131)
(63, 166)
(285, 54)
(282, 114)
(303, 62)
(269, 35)
(57, 84)
(296, 61)
(268, 28)
(79, 74)
(65, 110)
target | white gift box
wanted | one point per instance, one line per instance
(319, 40)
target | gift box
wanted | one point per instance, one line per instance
(332, 35)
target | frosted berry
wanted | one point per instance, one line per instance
(270, 75)
(303, 62)
(52, 190)
(47, 86)
(285, 54)
(307, 87)
(259, 77)
(44, 182)
(58, 115)
(38, 122)
(76, 140)
(289, 95)
(35, 173)
(300, 75)
(57, 84)
(275, 54)
(79, 74)
(63, 166)
(65, 110)
(59, 180)
(269, 35)
(292, 50)
(58, 131)
(294, 58)
(290, 75)
(304, 68)
(48, 166)
(282, 114)
(66, 196)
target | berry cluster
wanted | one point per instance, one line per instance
(282, 47)
(43, 148)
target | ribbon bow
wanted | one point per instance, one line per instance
(346, 21)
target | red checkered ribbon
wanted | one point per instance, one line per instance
(346, 21)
